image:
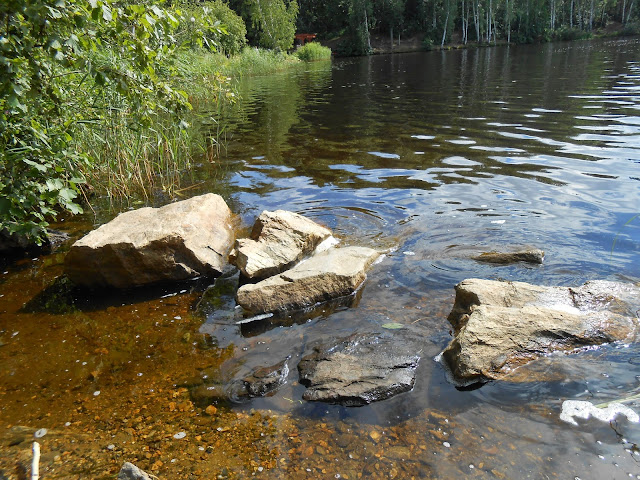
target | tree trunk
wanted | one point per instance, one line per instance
(444, 32)
(366, 29)
(391, 36)
(571, 15)
(476, 18)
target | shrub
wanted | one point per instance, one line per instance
(313, 51)
(567, 34)
(234, 32)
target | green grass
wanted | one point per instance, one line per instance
(313, 51)
(133, 162)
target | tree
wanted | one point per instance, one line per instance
(270, 23)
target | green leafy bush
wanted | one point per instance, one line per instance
(53, 87)
(313, 51)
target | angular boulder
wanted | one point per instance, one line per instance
(499, 326)
(278, 240)
(535, 256)
(327, 275)
(176, 242)
(358, 370)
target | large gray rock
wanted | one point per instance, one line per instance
(499, 326)
(358, 370)
(327, 275)
(278, 240)
(177, 242)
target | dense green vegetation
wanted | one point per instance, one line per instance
(482, 21)
(313, 51)
(96, 96)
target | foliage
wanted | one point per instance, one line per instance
(565, 34)
(481, 21)
(270, 24)
(631, 29)
(234, 36)
(313, 51)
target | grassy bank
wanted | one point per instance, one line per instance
(144, 161)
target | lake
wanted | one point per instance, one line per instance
(432, 157)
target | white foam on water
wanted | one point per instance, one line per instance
(585, 410)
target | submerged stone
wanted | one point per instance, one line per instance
(499, 326)
(130, 472)
(505, 258)
(179, 241)
(358, 370)
(264, 381)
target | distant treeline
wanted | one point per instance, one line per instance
(482, 21)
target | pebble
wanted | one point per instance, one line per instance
(179, 435)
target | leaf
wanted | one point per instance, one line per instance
(106, 13)
(393, 325)
(67, 194)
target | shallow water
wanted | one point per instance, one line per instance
(433, 157)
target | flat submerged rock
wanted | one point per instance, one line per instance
(499, 326)
(358, 370)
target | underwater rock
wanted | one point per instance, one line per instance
(506, 258)
(130, 472)
(278, 240)
(176, 242)
(264, 381)
(499, 326)
(327, 275)
(358, 370)
(13, 243)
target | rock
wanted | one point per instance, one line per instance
(278, 240)
(130, 472)
(506, 258)
(177, 242)
(499, 326)
(327, 275)
(358, 370)
(265, 381)
(13, 243)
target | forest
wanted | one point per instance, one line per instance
(480, 21)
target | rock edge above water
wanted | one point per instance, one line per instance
(499, 326)
(179, 241)
(278, 240)
(334, 273)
